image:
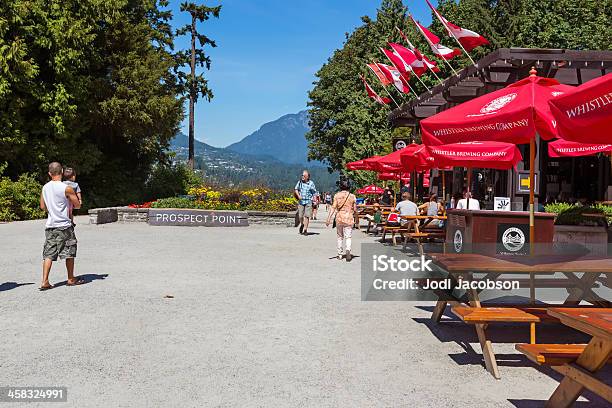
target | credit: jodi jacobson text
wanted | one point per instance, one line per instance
(445, 284)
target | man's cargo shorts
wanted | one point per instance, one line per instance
(60, 242)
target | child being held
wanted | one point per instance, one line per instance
(69, 179)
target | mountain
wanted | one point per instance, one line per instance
(227, 167)
(283, 138)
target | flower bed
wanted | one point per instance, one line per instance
(207, 198)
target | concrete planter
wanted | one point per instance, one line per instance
(593, 238)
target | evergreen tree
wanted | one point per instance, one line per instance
(90, 84)
(345, 124)
(191, 83)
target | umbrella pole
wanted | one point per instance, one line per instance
(443, 188)
(469, 182)
(531, 195)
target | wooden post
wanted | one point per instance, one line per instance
(532, 154)
(532, 147)
(469, 182)
(443, 188)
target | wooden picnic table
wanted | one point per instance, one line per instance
(579, 375)
(462, 266)
(418, 234)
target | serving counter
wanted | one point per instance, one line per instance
(496, 232)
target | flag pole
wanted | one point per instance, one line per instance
(451, 34)
(449, 65)
(434, 72)
(392, 98)
(430, 44)
(412, 48)
(422, 83)
(396, 104)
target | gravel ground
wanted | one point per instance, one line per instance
(261, 317)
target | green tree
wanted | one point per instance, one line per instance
(345, 124)
(191, 83)
(88, 83)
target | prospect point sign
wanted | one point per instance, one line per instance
(197, 218)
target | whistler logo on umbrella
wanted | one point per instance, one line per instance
(495, 105)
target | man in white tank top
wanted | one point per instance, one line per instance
(60, 240)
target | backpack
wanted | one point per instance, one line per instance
(393, 219)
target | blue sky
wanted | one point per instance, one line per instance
(267, 54)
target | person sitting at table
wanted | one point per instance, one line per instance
(463, 203)
(406, 207)
(432, 208)
(376, 217)
(387, 196)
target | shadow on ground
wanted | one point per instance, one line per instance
(13, 285)
(88, 278)
(451, 329)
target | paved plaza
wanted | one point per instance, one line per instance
(260, 317)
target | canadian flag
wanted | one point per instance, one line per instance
(395, 76)
(421, 63)
(372, 93)
(409, 57)
(397, 61)
(434, 43)
(384, 81)
(468, 39)
(432, 65)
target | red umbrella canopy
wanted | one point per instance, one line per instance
(371, 189)
(361, 164)
(393, 161)
(417, 158)
(387, 175)
(489, 155)
(513, 114)
(585, 115)
(565, 148)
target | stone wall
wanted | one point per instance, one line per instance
(285, 219)
(102, 215)
(128, 215)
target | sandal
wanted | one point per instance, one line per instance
(43, 288)
(76, 282)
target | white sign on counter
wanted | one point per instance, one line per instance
(502, 204)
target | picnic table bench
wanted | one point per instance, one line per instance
(412, 229)
(365, 210)
(419, 224)
(461, 266)
(577, 362)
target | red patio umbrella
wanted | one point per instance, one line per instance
(585, 114)
(363, 164)
(512, 114)
(404, 177)
(490, 155)
(566, 148)
(371, 189)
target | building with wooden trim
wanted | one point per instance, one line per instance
(565, 179)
